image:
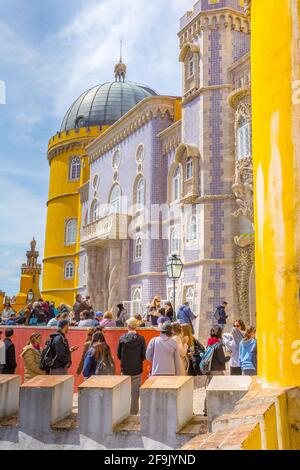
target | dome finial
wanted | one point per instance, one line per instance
(120, 68)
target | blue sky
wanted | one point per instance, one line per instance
(51, 51)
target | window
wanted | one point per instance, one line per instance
(75, 169)
(71, 232)
(115, 199)
(244, 141)
(190, 296)
(175, 241)
(140, 154)
(69, 270)
(138, 249)
(140, 193)
(176, 184)
(191, 67)
(189, 169)
(116, 160)
(192, 229)
(94, 214)
(137, 301)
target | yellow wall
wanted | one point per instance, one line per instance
(275, 57)
(63, 204)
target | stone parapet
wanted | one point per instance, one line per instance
(9, 395)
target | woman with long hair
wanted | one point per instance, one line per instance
(195, 348)
(31, 356)
(248, 352)
(86, 347)
(155, 306)
(182, 344)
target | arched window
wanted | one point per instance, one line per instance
(115, 199)
(140, 193)
(175, 242)
(140, 153)
(75, 167)
(138, 248)
(192, 229)
(189, 297)
(69, 270)
(137, 301)
(189, 169)
(71, 232)
(244, 140)
(176, 184)
(94, 214)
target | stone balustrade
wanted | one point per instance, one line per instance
(9, 395)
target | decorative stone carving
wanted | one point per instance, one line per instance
(243, 266)
(247, 7)
(243, 188)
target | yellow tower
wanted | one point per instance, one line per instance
(90, 115)
(276, 152)
(30, 278)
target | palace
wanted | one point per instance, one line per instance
(136, 176)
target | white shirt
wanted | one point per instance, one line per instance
(2, 352)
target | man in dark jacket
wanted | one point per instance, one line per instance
(132, 353)
(10, 354)
(220, 317)
(61, 350)
(80, 306)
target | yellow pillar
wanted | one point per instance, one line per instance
(276, 149)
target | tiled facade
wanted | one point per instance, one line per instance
(207, 138)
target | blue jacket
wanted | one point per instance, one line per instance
(248, 354)
(90, 364)
(220, 315)
(185, 315)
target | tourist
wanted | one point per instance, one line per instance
(6, 312)
(37, 316)
(182, 344)
(79, 306)
(31, 356)
(162, 317)
(2, 352)
(61, 349)
(107, 321)
(86, 320)
(122, 316)
(248, 352)
(185, 315)
(219, 359)
(92, 355)
(27, 312)
(99, 317)
(86, 347)
(132, 354)
(232, 344)
(220, 317)
(12, 320)
(141, 323)
(169, 311)
(153, 311)
(195, 348)
(54, 321)
(163, 352)
(106, 363)
(10, 354)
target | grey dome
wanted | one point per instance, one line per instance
(104, 104)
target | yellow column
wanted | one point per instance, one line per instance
(276, 149)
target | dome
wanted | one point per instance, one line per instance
(105, 104)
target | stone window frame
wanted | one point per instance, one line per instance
(172, 170)
(138, 248)
(74, 164)
(67, 265)
(190, 52)
(185, 289)
(134, 289)
(175, 228)
(192, 241)
(190, 187)
(140, 177)
(140, 150)
(94, 211)
(67, 223)
(115, 185)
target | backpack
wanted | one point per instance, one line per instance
(47, 357)
(206, 359)
(105, 364)
(217, 315)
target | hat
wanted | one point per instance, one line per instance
(166, 327)
(99, 314)
(62, 324)
(132, 323)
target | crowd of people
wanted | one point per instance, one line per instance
(175, 352)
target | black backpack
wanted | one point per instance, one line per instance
(47, 357)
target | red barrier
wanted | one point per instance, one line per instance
(76, 337)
